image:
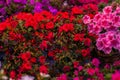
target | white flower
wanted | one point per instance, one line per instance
(44, 75)
(4, 77)
(27, 77)
(65, 3)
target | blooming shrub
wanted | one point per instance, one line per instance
(106, 25)
(43, 43)
(10, 7)
(47, 46)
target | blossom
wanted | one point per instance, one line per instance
(3, 26)
(75, 64)
(66, 27)
(87, 41)
(79, 37)
(38, 7)
(76, 10)
(107, 10)
(86, 19)
(107, 66)
(43, 69)
(26, 66)
(76, 72)
(12, 74)
(116, 76)
(44, 75)
(27, 77)
(25, 56)
(33, 60)
(95, 62)
(105, 25)
(43, 45)
(66, 68)
(50, 25)
(76, 78)
(97, 17)
(32, 2)
(52, 9)
(80, 68)
(117, 10)
(62, 77)
(90, 71)
(85, 52)
(42, 59)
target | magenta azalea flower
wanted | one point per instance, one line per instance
(116, 76)
(96, 62)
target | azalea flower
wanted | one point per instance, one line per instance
(27, 77)
(116, 75)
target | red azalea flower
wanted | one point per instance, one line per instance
(76, 64)
(12, 24)
(51, 54)
(87, 42)
(33, 23)
(3, 26)
(25, 56)
(42, 59)
(65, 15)
(41, 35)
(26, 66)
(91, 15)
(47, 14)
(78, 37)
(76, 10)
(93, 7)
(43, 45)
(50, 36)
(33, 60)
(38, 17)
(12, 74)
(91, 71)
(43, 69)
(72, 18)
(50, 25)
(19, 76)
(85, 52)
(66, 27)
(66, 68)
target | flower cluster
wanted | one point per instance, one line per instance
(90, 71)
(49, 40)
(42, 43)
(84, 2)
(106, 25)
(10, 7)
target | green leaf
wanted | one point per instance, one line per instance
(108, 76)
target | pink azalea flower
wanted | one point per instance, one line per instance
(76, 72)
(99, 45)
(107, 66)
(76, 78)
(95, 62)
(117, 10)
(80, 68)
(107, 50)
(107, 10)
(86, 19)
(97, 17)
(116, 76)
(90, 71)
(62, 77)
